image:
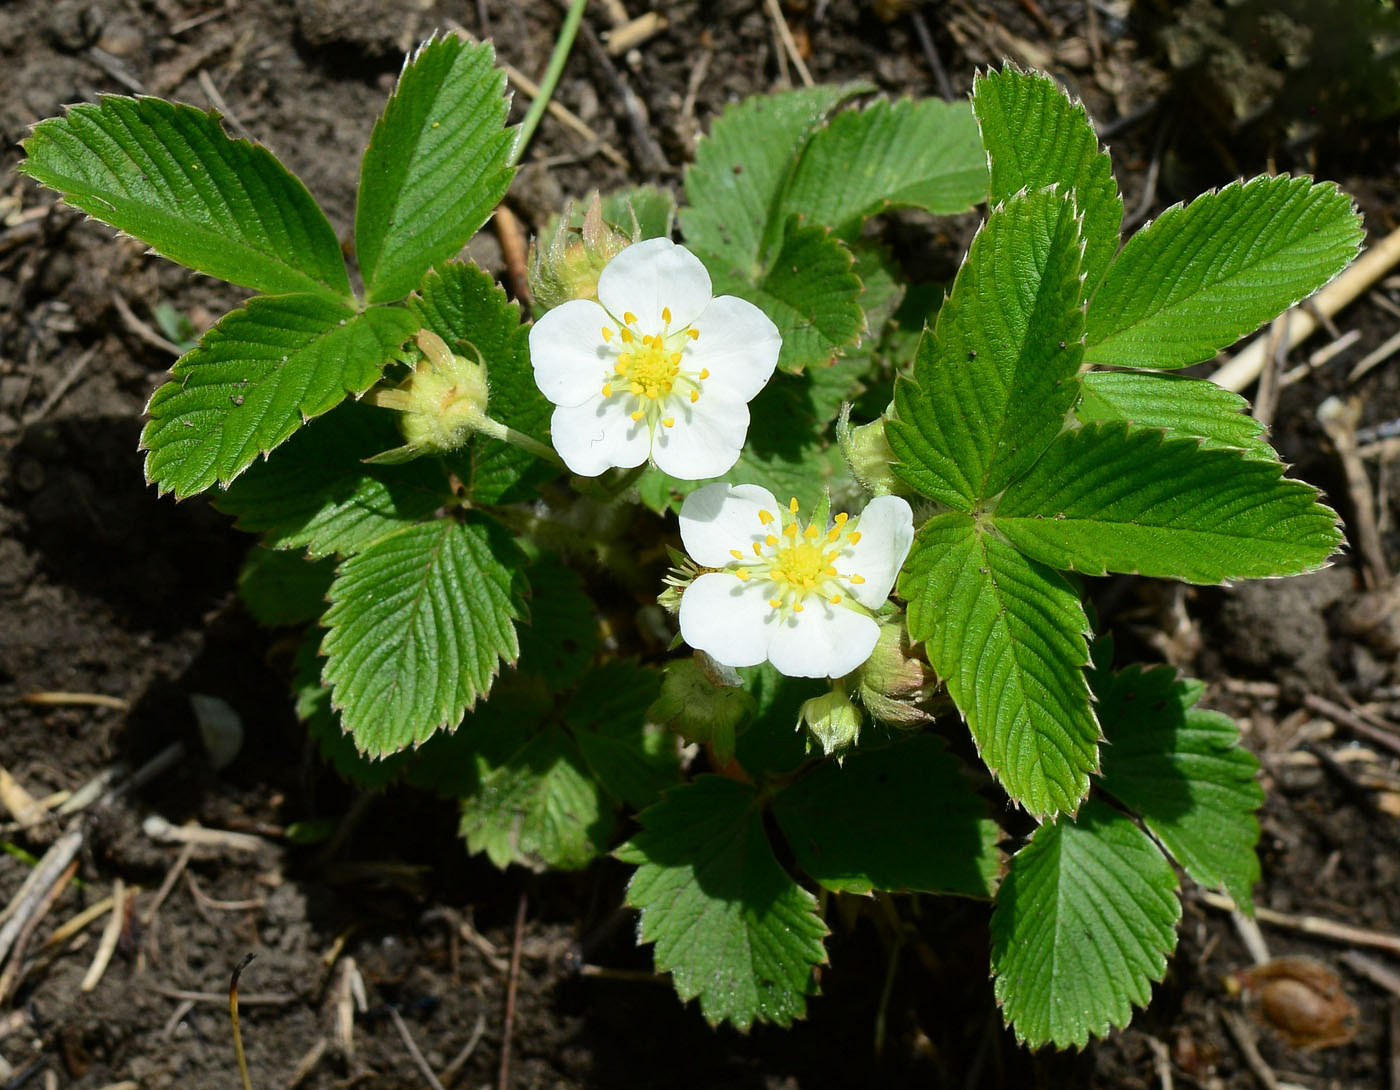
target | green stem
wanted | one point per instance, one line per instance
(562, 45)
(497, 430)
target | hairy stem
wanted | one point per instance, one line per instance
(557, 59)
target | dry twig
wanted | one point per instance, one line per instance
(1312, 925)
(413, 1050)
(512, 982)
(789, 43)
(110, 934)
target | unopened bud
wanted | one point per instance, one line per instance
(868, 453)
(896, 681)
(566, 261)
(832, 721)
(441, 402)
(697, 703)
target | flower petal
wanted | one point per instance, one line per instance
(650, 276)
(822, 641)
(567, 351)
(729, 620)
(705, 439)
(598, 435)
(738, 343)
(720, 517)
(886, 531)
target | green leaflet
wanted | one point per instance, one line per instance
(1036, 136)
(436, 165)
(255, 378)
(901, 817)
(467, 308)
(1083, 925)
(1204, 275)
(418, 626)
(560, 639)
(1183, 406)
(1110, 498)
(1182, 770)
(740, 167)
(633, 759)
(1007, 635)
(313, 706)
(728, 923)
(168, 175)
(319, 494)
(279, 588)
(996, 375)
(908, 154)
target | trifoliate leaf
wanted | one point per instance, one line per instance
(561, 637)
(633, 759)
(1036, 136)
(280, 588)
(729, 925)
(774, 742)
(995, 376)
(733, 186)
(1183, 406)
(1204, 275)
(1107, 497)
(909, 154)
(168, 175)
(319, 493)
(1183, 771)
(467, 308)
(255, 378)
(418, 626)
(1008, 637)
(1083, 925)
(313, 706)
(903, 817)
(436, 165)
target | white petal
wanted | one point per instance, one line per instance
(720, 517)
(706, 438)
(650, 276)
(886, 531)
(729, 620)
(598, 435)
(738, 343)
(822, 641)
(567, 351)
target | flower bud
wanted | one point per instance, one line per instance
(698, 703)
(832, 721)
(896, 681)
(566, 260)
(442, 402)
(868, 453)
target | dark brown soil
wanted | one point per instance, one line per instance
(106, 590)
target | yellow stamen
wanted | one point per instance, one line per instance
(693, 334)
(694, 396)
(833, 534)
(778, 576)
(792, 505)
(607, 389)
(675, 357)
(629, 318)
(637, 416)
(857, 580)
(797, 607)
(627, 336)
(607, 334)
(840, 519)
(669, 422)
(828, 570)
(775, 602)
(811, 533)
(765, 517)
(757, 549)
(666, 315)
(770, 541)
(743, 574)
(791, 530)
(736, 554)
(636, 387)
(704, 374)
(835, 599)
(855, 538)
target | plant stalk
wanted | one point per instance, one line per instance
(562, 45)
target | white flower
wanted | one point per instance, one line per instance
(796, 594)
(656, 368)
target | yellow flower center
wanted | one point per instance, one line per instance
(649, 368)
(798, 560)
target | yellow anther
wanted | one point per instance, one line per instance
(857, 580)
(637, 416)
(765, 517)
(666, 315)
(736, 554)
(792, 505)
(743, 574)
(629, 318)
(778, 576)
(694, 396)
(770, 541)
(757, 549)
(835, 599)
(693, 334)
(811, 533)
(669, 422)
(855, 538)
(775, 602)
(607, 389)
(675, 357)
(790, 530)
(797, 607)
(704, 374)
(840, 519)
(828, 570)
(627, 336)
(607, 334)
(636, 387)
(833, 534)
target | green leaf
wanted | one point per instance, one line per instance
(1183, 771)
(1007, 635)
(1107, 497)
(452, 764)
(728, 923)
(1203, 276)
(255, 378)
(168, 175)
(774, 743)
(1083, 925)
(810, 290)
(467, 308)
(904, 817)
(995, 376)
(562, 635)
(909, 154)
(732, 188)
(633, 759)
(654, 207)
(1036, 136)
(540, 807)
(418, 625)
(279, 588)
(1183, 406)
(313, 707)
(319, 494)
(436, 166)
